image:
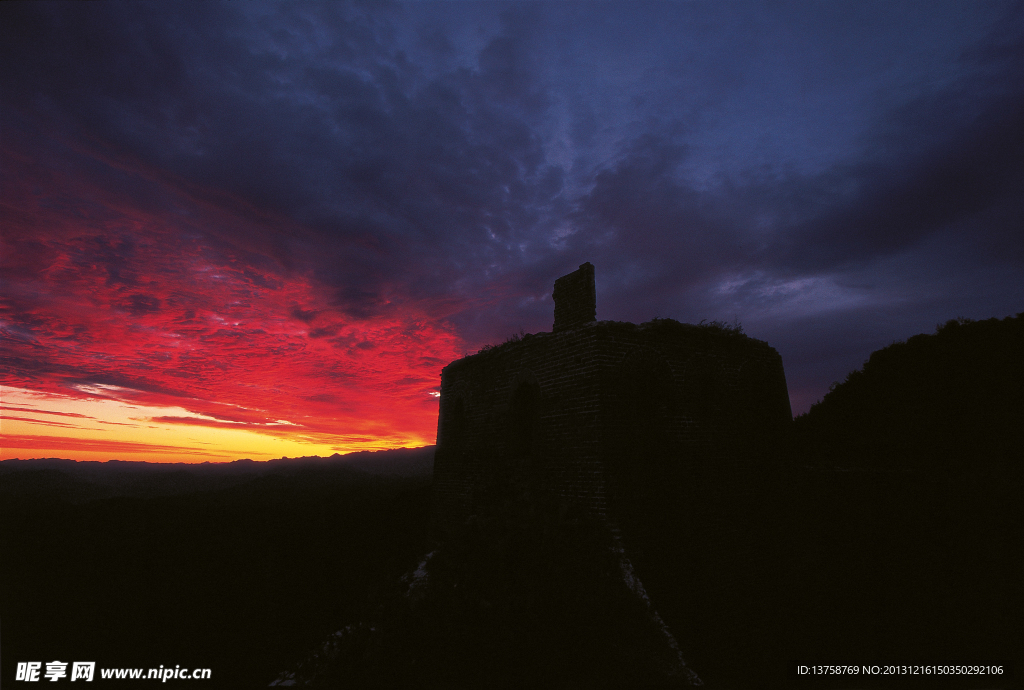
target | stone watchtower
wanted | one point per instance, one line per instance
(609, 415)
(575, 298)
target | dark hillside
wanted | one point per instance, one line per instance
(530, 593)
(893, 532)
(128, 567)
(952, 402)
(904, 522)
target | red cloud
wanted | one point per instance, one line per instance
(64, 425)
(217, 424)
(153, 302)
(63, 443)
(35, 411)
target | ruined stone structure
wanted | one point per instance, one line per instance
(605, 414)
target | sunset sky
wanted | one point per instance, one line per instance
(261, 229)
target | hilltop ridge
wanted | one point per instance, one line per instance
(71, 481)
(947, 402)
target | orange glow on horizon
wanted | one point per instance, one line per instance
(47, 425)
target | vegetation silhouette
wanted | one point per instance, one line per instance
(942, 403)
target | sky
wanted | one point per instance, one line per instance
(261, 229)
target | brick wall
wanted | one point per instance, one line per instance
(487, 444)
(612, 416)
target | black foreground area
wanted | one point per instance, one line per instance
(242, 580)
(753, 574)
(888, 527)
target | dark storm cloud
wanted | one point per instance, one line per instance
(639, 211)
(330, 133)
(973, 161)
(711, 159)
(947, 158)
(139, 304)
(934, 161)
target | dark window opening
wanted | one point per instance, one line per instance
(451, 437)
(525, 412)
(648, 397)
(455, 424)
(704, 388)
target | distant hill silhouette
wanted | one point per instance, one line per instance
(30, 481)
(948, 404)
